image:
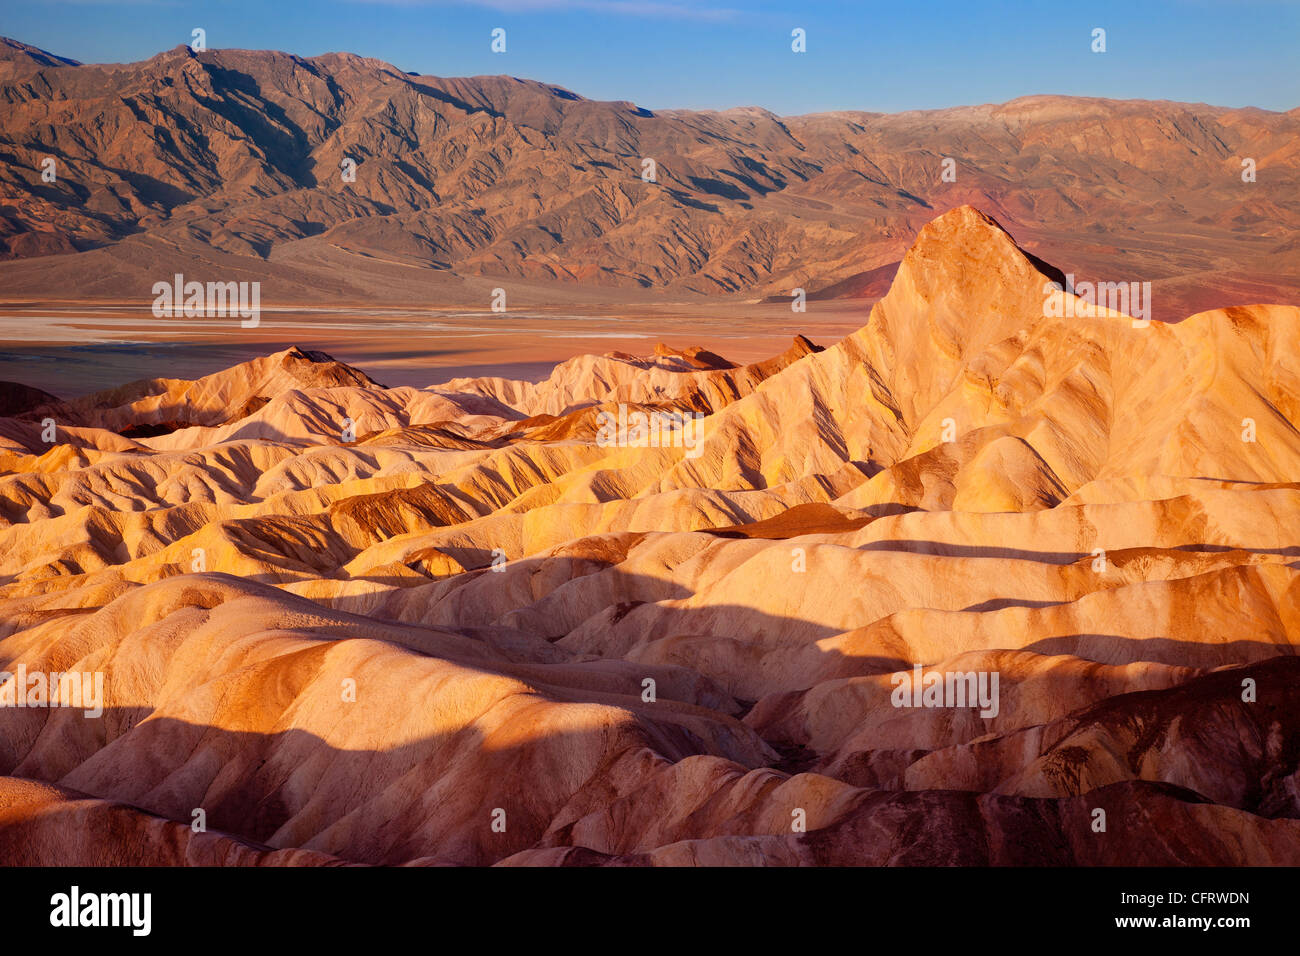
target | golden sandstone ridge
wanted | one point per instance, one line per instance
(458, 625)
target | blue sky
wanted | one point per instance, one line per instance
(721, 53)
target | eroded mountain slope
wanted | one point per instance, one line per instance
(459, 624)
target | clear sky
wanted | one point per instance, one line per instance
(714, 54)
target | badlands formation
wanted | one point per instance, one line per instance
(344, 623)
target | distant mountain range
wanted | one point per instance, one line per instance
(228, 163)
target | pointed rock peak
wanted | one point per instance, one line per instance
(296, 353)
(803, 346)
(967, 216)
(959, 227)
(965, 234)
(319, 369)
(963, 286)
(799, 347)
(179, 51)
(966, 256)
